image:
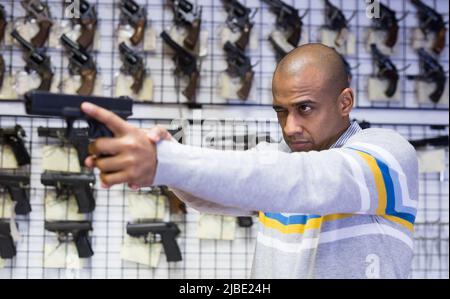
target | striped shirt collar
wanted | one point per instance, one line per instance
(352, 130)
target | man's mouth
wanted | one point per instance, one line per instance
(300, 145)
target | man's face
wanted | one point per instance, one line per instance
(307, 111)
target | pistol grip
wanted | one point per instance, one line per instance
(392, 37)
(85, 199)
(88, 78)
(175, 204)
(84, 248)
(20, 152)
(20, 196)
(41, 37)
(86, 39)
(138, 81)
(436, 95)
(82, 151)
(244, 39)
(7, 248)
(392, 88)
(46, 81)
(173, 253)
(138, 35)
(244, 92)
(295, 37)
(439, 44)
(191, 40)
(190, 90)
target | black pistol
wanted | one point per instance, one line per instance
(430, 21)
(37, 61)
(69, 107)
(186, 64)
(288, 19)
(7, 246)
(239, 65)
(39, 11)
(431, 72)
(388, 23)
(240, 18)
(17, 184)
(135, 15)
(14, 137)
(188, 15)
(81, 63)
(133, 65)
(167, 231)
(77, 184)
(335, 20)
(73, 231)
(386, 70)
(88, 20)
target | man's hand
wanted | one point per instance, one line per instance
(129, 157)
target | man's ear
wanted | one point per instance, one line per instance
(346, 101)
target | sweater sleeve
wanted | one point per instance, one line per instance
(375, 173)
(208, 207)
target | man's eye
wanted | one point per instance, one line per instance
(305, 108)
(279, 110)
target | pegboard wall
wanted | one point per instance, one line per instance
(204, 258)
(218, 258)
(160, 65)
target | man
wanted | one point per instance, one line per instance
(334, 201)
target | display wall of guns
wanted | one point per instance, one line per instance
(386, 70)
(37, 61)
(78, 138)
(88, 20)
(39, 11)
(335, 20)
(430, 21)
(3, 23)
(14, 138)
(17, 184)
(168, 232)
(7, 246)
(80, 185)
(68, 107)
(189, 16)
(133, 65)
(240, 18)
(387, 23)
(81, 63)
(431, 72)
(440, 141)
(186, 65)
(239, 66)
(136, 16)
(288, 20)
(73, 231)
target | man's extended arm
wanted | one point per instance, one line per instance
(376, 174)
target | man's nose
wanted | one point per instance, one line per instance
(293, 125)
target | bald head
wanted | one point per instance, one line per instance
(312, 98)
(317, 60)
